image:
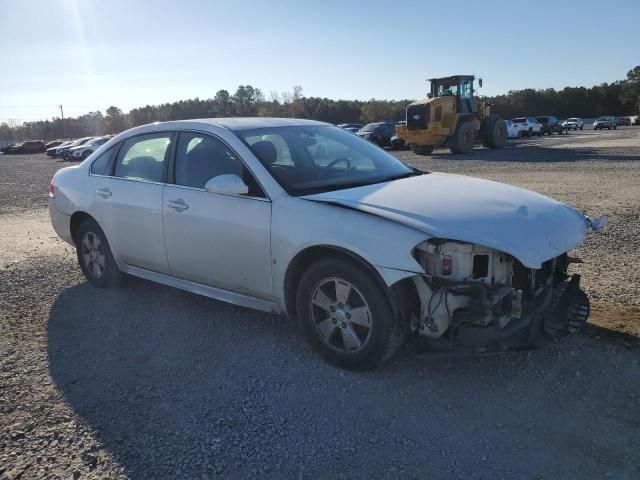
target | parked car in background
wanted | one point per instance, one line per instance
(513, 131)
(528, 126)
(351, 127)
(607, 122)
(573, 123)
(550, 124)
(52, 144)
(623, 121)
(30, 146)
(362, 251)
(83, 151)
(7, 147)
(636, 121)
(51, 152)
(379, 133)
(63, 151)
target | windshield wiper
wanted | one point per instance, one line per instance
(413, 173)
(361, 183)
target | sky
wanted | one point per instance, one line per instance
(88, 55)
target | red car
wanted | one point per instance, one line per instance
(31, 146)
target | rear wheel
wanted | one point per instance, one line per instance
(345, 315)
(462, 139)
(422, 149)
(95, 257)
(494, 132)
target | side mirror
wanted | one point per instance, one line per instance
(480, 82)
(228, 184)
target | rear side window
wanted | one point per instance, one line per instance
(143, 157)
(102, 164)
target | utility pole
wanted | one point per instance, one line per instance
(64, 133)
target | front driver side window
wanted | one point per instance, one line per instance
(200, 157)
(143, 157)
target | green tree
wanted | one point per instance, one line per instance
(630, 94)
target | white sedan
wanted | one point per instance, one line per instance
(513, 131)
(361, 249)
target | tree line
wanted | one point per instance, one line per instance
(618, 98)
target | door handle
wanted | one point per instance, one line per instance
(104, 192)
(178, 205)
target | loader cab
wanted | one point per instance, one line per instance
(458, 86)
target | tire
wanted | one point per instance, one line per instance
(494, 132)
(580, 128)
(462, 139)
(85, 155)
(422, 149)
(374, 338)
(99, 273)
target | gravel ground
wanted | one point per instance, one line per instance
(152, 382)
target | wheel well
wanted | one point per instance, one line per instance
(76, 220)
(307, 257)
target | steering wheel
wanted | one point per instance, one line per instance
(326, 169)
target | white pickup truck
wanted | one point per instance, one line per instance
(528, 126)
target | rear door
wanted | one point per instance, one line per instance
(211, 238)
(129, 201)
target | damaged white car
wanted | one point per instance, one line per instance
(302, 218)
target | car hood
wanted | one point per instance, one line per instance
(531, 227)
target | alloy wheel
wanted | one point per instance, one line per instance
(341, 316)
(93, 254)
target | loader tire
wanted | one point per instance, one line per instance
(494, 132)
(462, 139)
(422, 149)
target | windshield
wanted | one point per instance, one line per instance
(604, 119)
(572, 120)
(446, 89)
(370, 127)
(314, 159)
(519, 120)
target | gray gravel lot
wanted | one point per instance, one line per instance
(152, 382)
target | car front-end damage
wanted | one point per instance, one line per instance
(493, 263)
(476, 299)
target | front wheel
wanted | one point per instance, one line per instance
(345, 315)
(95, 257)
(422, 149)
(462, 139)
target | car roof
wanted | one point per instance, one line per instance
(246, 123)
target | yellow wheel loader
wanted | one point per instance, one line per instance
(452, 116)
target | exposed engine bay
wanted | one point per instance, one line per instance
(480, 299)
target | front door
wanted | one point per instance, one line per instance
(211, 238)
